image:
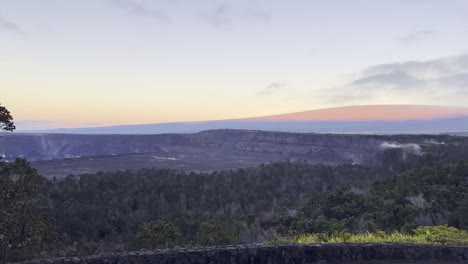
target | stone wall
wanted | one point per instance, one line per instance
(272, 254)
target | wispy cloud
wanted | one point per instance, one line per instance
(272, 88)
(224, 15)
(219, 15)
(430, 69)
(139, 8)
(10, 26)
(432, 81)
(393, 80)
(258, 15)
(417, 36)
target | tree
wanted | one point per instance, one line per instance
(6, 120)
(158, 234)
(22, 222)
(213, 234)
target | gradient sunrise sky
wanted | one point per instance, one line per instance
(74, 63)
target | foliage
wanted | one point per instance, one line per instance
(421, 235)
(213, 234)
(23, 223)
(6, 120)
(25, 230)
(442, 235)
(112, 206)
(158, 234)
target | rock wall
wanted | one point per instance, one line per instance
(272, 254)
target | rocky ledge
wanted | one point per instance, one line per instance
(271, 254)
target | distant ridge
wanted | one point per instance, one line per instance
(369, 119)
(372, 113)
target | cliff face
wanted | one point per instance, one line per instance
(204, 151)
(59, 146)
(323, 148)
(318, 148)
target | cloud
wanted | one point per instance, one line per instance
(137, 8)
(272, 88)
(224, 15)
(221, 13)
(417, 36)
(219, 16)
(397, 80)
(258, 15)
(9, 26)
(436, 81)
(425, 69)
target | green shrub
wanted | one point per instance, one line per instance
(422, 235)
(442, 234)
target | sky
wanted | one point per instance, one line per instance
(78, 63)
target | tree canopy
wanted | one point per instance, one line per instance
(6, 120)
(23, 222)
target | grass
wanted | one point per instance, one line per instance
(441, 235)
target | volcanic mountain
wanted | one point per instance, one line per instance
(372, 113)
(375, 119)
